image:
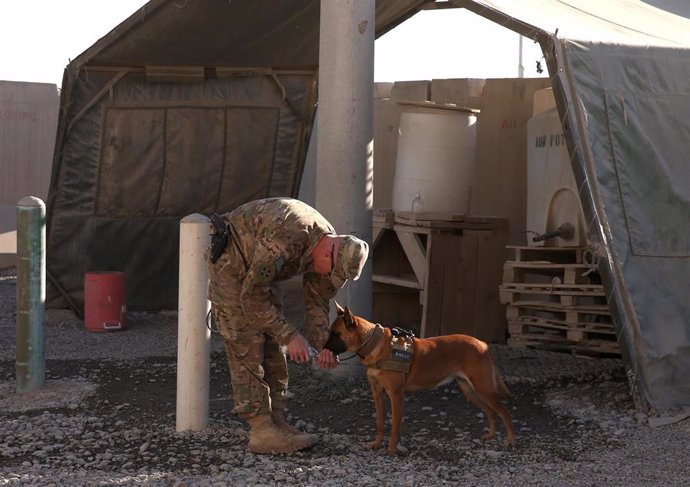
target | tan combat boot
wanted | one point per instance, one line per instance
(279, 420)
(266, 437)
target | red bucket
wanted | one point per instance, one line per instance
(105, 301)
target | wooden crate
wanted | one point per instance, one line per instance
(451, 262)
(554, 300)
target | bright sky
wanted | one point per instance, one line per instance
(39, 37)
(453, 43)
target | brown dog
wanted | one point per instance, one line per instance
(436, 361)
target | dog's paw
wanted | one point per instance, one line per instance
(488, 436)
(374, 445)
(398, 450)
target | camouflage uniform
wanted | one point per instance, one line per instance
(272, 240)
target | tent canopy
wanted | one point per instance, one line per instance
(212, 33)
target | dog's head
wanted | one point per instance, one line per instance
(346, 332)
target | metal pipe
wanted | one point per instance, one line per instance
(31, 294)
(193, 336)
(565, 231)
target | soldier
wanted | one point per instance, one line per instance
(271, 240)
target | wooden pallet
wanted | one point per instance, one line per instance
(518, 272)
(570, 314)
(566, 294)
(552, 255)
(579, 332)
(587, 347)
(554, 300)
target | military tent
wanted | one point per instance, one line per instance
(195, 105)
(188, 106)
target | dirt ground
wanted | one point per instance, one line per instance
(143, 394)
(107, 414)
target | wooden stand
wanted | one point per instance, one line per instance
(450, 263)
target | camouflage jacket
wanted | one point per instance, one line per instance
(273, 241)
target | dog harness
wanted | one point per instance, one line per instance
(402, 349)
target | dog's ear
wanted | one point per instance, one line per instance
(339, 308)
(349, 320)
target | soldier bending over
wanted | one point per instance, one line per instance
(270, 240)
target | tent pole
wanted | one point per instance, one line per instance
(344, 168)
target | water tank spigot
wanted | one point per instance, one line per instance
(417, 203)
(565, 231)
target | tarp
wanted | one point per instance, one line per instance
(188, 106)
(620, 69)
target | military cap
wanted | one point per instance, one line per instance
(352, 255)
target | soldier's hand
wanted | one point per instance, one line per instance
(298, 349)
(326, 359)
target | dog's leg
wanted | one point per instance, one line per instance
(472, 396)
(396, 396)
(379, 403)
(491, 396)
(494, 403)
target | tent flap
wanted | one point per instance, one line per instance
(143, 157)
(619, 70)
(641, 177)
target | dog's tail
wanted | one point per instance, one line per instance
(502, 388)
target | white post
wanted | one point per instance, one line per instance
(344, 153)
(193, 336)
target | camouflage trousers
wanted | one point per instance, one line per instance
(258, 367)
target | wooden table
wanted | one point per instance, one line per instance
(453, 264)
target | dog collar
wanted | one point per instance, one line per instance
(370, 342)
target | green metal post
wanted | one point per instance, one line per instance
(31, 293)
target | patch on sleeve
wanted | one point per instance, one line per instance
(267, 271)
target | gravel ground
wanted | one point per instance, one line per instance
(106, 416)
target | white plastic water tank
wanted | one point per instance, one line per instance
(552, 196)
(435, 161)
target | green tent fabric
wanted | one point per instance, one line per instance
(188, 106)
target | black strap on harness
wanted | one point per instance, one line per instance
(401, 332)
(219, 240)
(211, 323)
